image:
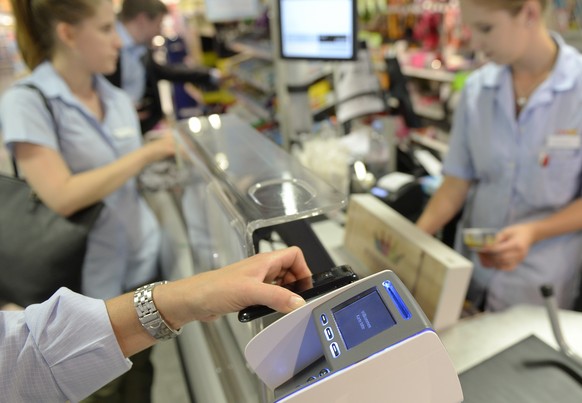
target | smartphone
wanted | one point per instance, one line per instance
(309, 287)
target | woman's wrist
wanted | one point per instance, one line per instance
(150, 154)
(536, 231)
(176, 302)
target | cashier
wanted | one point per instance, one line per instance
(515, 157)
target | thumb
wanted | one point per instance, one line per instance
(277, 298)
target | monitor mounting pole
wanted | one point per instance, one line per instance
(292, 83)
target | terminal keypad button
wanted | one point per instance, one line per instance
(323, 319)
(328, 333)
(335, 350)
(323, 372)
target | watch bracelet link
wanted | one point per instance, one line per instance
(148, 314)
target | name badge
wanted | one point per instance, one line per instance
(565, 140)
(124, 132)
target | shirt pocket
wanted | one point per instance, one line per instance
(126, 142)
(554, 179)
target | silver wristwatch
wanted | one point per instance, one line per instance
(148, 314)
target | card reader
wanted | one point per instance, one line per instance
(368, 341)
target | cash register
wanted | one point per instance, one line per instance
(368, 341)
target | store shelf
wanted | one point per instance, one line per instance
(259, 49)
(322, 110)
(430, 109)
(439, 145)
(432, 7)
(428, 74)
(257, 73)
(429, 112)
(311, 73)
(264, 87)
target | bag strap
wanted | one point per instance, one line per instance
(50, 111)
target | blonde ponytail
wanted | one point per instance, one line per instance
(34, 48)
(36, 21)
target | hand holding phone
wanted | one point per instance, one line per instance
(309, 287)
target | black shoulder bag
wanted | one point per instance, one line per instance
(40, 250)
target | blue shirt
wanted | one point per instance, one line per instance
(62, 349)
(133, 72)
(124, 243)
(519, 175)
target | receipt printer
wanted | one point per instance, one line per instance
(368, 341)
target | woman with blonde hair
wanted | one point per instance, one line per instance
(515, 157)
(92, 149)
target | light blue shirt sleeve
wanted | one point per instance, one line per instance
(62, 349)
(34, 123)
(458, 162)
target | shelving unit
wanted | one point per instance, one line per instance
(428, 74)
(260, 48)
(254, 71)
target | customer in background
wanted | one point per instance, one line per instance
(137, 72)
(515, 157)
(95, 151)
(70, 345)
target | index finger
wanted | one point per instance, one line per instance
(292, 262)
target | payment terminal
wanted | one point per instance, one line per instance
(368, 341)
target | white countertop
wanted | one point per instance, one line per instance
(479, 337)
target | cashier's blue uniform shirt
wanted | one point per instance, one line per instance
(124, 243)
(524, 169)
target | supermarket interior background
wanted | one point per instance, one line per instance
(364, 115)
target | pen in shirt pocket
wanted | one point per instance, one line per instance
(544, 159)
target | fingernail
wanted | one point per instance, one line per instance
(296, 302)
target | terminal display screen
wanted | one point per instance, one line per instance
(318, 29)
(362, 317)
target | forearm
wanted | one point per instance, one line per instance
(444, 204)
(567, 220)
(66, 193)
(131, 335)
(86, 188)
(208, 295)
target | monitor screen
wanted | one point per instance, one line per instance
(362, 317)
(318, 29)
(229, 10)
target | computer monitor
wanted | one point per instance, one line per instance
(318, 29)
(229, 10)
(398, 89)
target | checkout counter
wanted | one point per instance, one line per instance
(240, 184)
(240, 187)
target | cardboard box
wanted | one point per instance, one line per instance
(436, 275)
